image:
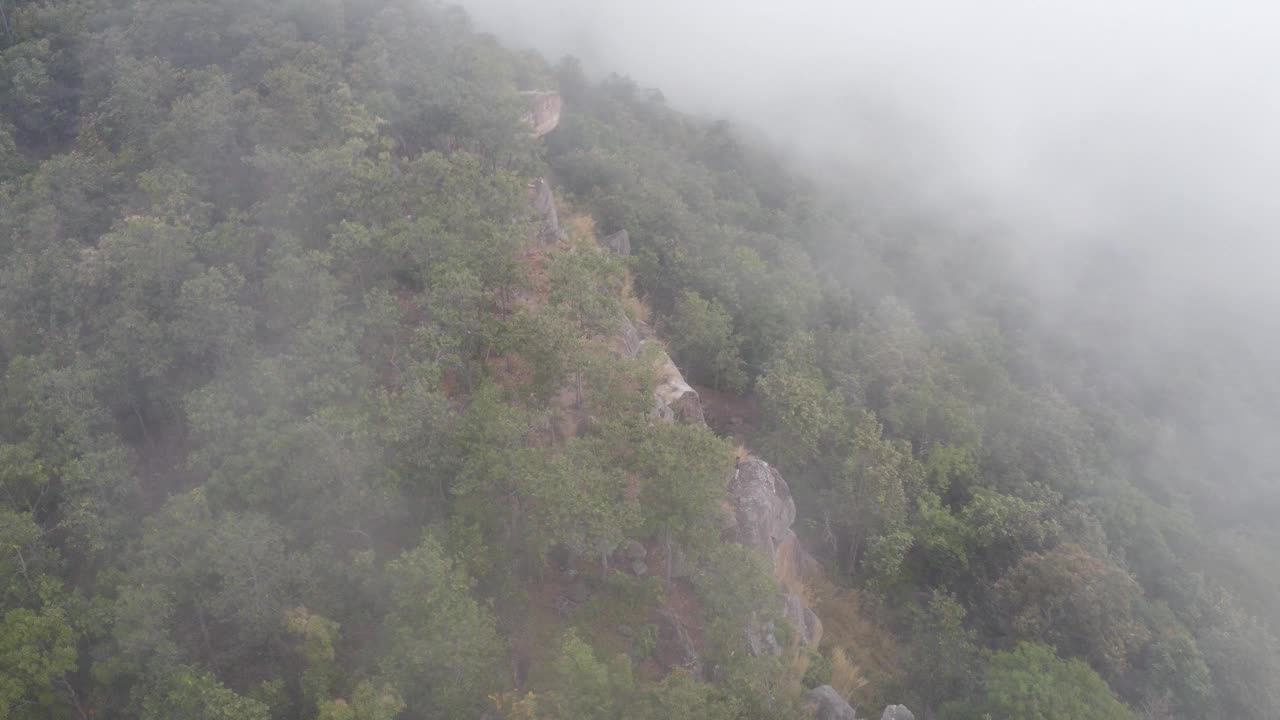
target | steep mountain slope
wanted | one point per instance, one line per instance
(353, 364)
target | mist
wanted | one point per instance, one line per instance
(1143, 128)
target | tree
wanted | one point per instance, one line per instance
(37, 648)
(683, 470)
(702, 336)
(871, 495)
(185, 692)
(579, 502)
(1031, 682)
(943, 659)
(1243, 656)
(587, 688)
(803, 415)
(317, 635)
(441, 644)
(1085, 606)
(368, 702)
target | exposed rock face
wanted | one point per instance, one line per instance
(544, 112)
(544, 202)
(761, 639)
(826, 704)
(629, 338)
(897, 712)
(763, 511)
(763, 506)
(674, 399)
(802, 618)
(619, 242)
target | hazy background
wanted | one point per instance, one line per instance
(1148, 128)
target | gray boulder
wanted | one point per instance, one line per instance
(762, 505)
(761, 640)
(674, 400)
(629, 337)
(824, 703)
(619, 242)
(897, 712)
(803, 619)
(544, 202)
(544, 111)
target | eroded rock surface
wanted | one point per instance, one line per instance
(763, 511)
(543, 201)
(619, 242)
(674, 399)
(897, 712)
(825, 703)
(762, 506)
(544, 112)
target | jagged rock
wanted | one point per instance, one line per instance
(761, 640)
(544, 202)
(674, 399)
(763, 506)
(897, 712)
(619, 242)
(803, 619)
(630, 337)
(812, 627)
(544, 113)
(639, 567)
(824, 703)
(675, 647)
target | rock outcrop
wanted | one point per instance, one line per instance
(897, 712)
(543, 201)
(674, 400)
(619, 242)
(544, 112)
(762, 504)
(763, 511)
(824, 703)
(629, 339)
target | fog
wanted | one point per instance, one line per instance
(1149, 128)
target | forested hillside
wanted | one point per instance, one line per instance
(330, 390)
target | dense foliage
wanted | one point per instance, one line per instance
(294, 423)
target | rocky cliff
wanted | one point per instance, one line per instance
(544, 112)
(543, 201)
(758, 505)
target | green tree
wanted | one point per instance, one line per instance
(1085, 606)
(441, 644)
(803, 416)
(1031, 682)
(37, 650)
(701, 335)
(587, 688)
(684, 470)
(186, 692)
(944, 659)
(368, 702)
